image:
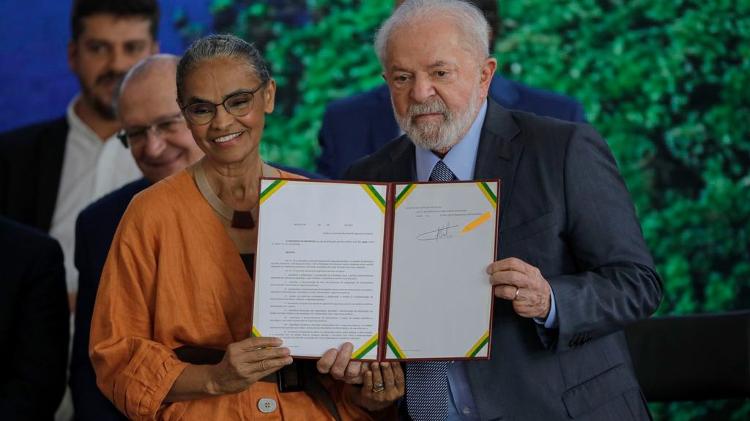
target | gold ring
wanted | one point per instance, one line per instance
(516, 294)
(262, 365)
(378, 387)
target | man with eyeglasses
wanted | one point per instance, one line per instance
(155, 132)
(152, 123)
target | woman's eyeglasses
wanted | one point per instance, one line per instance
(238, 105)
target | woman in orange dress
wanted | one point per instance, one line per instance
(170, 330)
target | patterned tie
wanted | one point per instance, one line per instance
(427, 382)
(441, 172)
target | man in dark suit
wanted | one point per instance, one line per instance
(161, 144)
(51, 170)
(33, 323)
(361, 124)
(572, 269)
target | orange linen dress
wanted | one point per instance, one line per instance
(173, 277)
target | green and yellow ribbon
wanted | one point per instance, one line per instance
(488, 193)
(404, 193)
(375, 196)
(395, 347)
(481, 343)
(271, 189)
(364, 349)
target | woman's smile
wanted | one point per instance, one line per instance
(227, 138)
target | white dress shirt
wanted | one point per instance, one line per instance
(91, 168)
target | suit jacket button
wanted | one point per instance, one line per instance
(266, 405)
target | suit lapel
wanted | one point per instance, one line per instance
(498, 154)
(497, 157)
(383, 123)
(51, 152)
(402, 166)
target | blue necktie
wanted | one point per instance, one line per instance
(441, 172)
(427, 382)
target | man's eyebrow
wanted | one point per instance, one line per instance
(166, 117)
(97, 41)
(441, 63)
(395, 68)
(162, 118)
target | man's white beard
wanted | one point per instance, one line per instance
(438, 136)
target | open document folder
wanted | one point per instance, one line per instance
(396, 269)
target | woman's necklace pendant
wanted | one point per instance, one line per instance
(243, 220)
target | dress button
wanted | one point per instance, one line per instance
(466, 410)
(266, 405)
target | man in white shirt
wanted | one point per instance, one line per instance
(50, 171)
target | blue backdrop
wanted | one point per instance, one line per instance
(35, 79)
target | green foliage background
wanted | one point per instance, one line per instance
(666, 82)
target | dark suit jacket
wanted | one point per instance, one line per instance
(359, 125)
(564, 209)
(30, 167)
(95, 228)
(34, 323)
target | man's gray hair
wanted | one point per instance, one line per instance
(224, 45)
(470, 21)
(141, 68)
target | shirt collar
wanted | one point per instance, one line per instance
(82, 130)
(461, 158)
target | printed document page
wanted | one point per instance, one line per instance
(319, 265)
(440, 296)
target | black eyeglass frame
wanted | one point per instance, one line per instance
(223, 104)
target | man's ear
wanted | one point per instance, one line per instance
(488, 70)
(486, 73)
(155, 47)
